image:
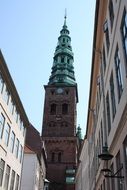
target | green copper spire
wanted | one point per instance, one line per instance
(62, 69)
(79, 133)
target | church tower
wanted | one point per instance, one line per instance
(59, 117)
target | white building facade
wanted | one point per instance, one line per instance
(34, 163)
(34, 171)
(13, 123)
(107, 114)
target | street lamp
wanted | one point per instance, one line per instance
(108, 173)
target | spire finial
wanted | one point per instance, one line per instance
(65, 17)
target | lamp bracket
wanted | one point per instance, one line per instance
(115, 174)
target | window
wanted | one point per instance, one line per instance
(20, 153)
(11, 106)
(7, 134)
(125, 153)
(65, 108)
(6, 95)
(111, 13)
(2, 122)
(107, 37)
(53, 109)
(63, 40)
(108, 113)
(12, 180)
(104, 186)
(21, 124)
(12, 141)
(53, 157)
(17, 182)
(118, 166)
(7, 175)
(15, 114)
(2, 164)
(102, 135)
(52, 124)
(112, 179)
(118, 73)
(124, 33)
(24, 130)
(16, 148)
(1, 84)
(62, 60)
(104, 59)
(64, 124)
(99, 143)
(70, 180)
(112, 92)
(59, 157)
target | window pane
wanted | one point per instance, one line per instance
(12, 180)
(12, 141)
(108, 113)
(11, 106)
(112, 93)
(1, 84)
(16, 148)
(104, 59)
(124, 34)
(17, 182)
(59, 157)
(15, 113)
(125, 154)
(107, 37)
(2, 164)
(53, 109)
(7, 134)
(2, 122)
(118, 73)
(111, 13)
(65, 109)
(20, 153)
(118, 166)
(7, 175)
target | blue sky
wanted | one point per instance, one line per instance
(28, 38)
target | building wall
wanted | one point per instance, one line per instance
(13, 123)
(82, 174)
(107, 114)
(59, 134)
(29, 170)
(33, 174)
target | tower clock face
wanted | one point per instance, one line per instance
(59, 90)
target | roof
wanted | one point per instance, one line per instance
(34, 142)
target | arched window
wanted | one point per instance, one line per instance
(65, 108)
(64, 124)
(59, 157)
(53, 109)
(63, 40)
(62, 60)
